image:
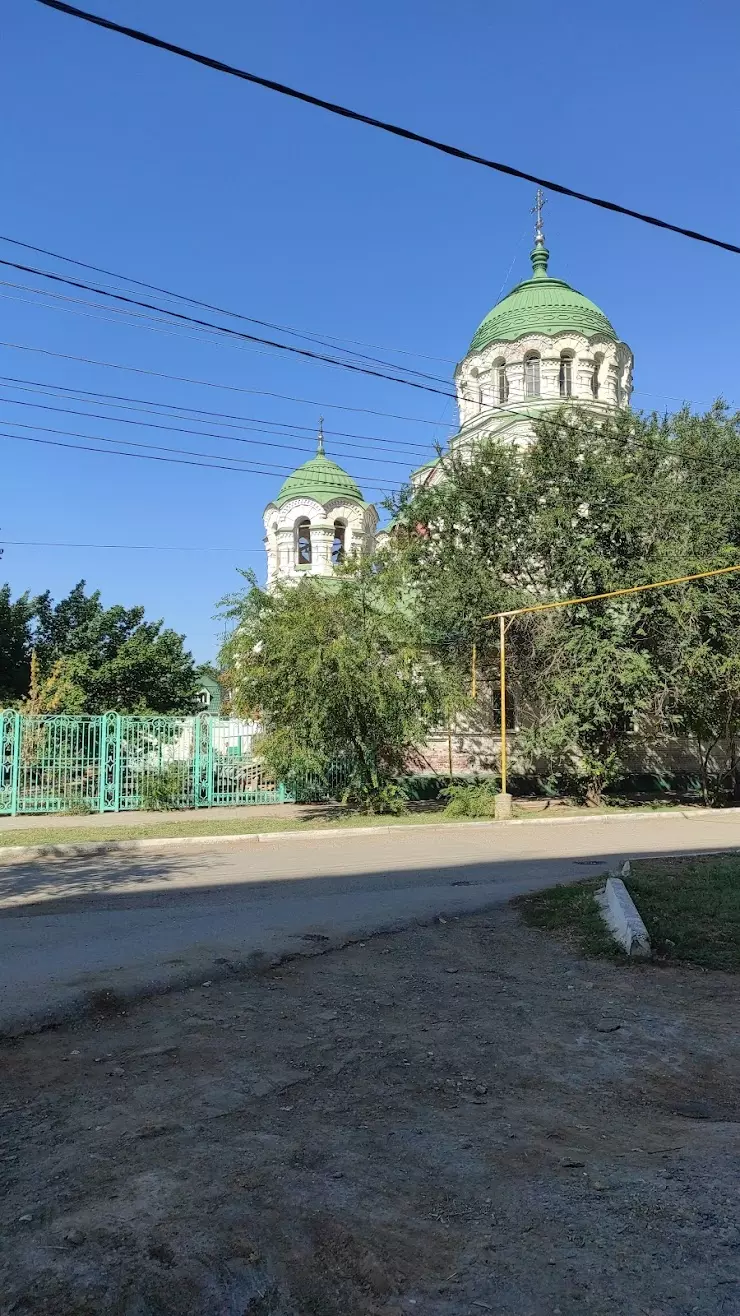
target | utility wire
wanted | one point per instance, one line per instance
(217, 465)
(166, 318)
(504, 410)
(126, 402)
(394, 129)
(220, 330)
(180, 429)
(131, 548)
(224, 329)
(328, 340)
(243, 462)
(123, 312)
(231, 388)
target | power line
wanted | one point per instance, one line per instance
(231, 388)
(328, 340)
(217, 465)
(244, 462)
(181, 429)
(120, 315)
(125, 402)
(131, 548)
(225, 330)
(124, 313)
(514, 413)
(405, 445)
(207, 326)
(394, 129)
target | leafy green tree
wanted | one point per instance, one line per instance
(113, 658)
(336, 673)
(696, 631)
(15, 645)
(593, 505)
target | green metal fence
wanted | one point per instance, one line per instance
(110, 763)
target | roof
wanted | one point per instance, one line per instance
(322, 480)
(541, 305)
(209, 684)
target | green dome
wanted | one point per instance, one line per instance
(541, 305)
(322, 480)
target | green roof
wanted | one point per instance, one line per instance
(541, 305)
(322, 480)
(208, 683)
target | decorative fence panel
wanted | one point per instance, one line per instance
(61, 764)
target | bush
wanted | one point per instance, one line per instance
(78, 804)
(475, 799)
(383, 798)
(165, 789)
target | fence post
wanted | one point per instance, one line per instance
(117, 766)
(16, 768)
(102, 762)
(210, 723)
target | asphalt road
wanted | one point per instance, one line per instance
(134, 923)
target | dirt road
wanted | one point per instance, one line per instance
(453, 1120)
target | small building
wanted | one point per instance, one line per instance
(210, 695)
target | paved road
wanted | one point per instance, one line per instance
(141, 922)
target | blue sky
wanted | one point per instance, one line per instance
(137, 161)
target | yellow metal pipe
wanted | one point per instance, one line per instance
(473, 677)
(611, 594)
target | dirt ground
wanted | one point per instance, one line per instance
(459, 1119)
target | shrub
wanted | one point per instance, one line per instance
(474, 799)
(386, 797)
(78, 804)
(165, 789)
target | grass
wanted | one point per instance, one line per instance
(169, 826)
(172, 825)
(691, 908)
(571, 912)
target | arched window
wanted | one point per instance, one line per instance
(532, 375)
(303, 542)
(502, 382)
(480, 398)
(598, 359)
(565, 377)
(337, 548)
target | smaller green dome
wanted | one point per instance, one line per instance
(320, 479)
(541, 305)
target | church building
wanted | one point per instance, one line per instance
(542, 345)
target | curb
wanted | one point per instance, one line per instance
(622, 916)
(15, 854)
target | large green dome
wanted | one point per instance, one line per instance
(541, 305)
(322, 480)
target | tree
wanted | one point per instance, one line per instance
(593, 505)
(335, 672)
(15, 645)
(112, 658)
(697, 638)
(58, 692)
